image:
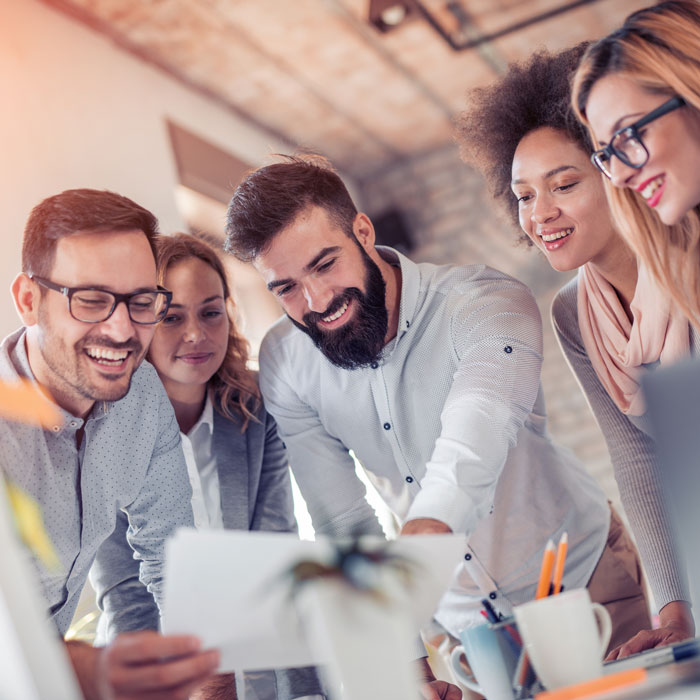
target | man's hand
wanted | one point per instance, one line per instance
(432, 689)
(440, 690)
(676, 625)
(425, 526)
(144, 665)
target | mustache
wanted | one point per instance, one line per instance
(102, 341)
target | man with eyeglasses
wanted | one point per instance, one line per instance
(88, 299)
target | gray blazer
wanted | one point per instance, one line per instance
(256, 494)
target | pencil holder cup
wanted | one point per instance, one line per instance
(565, 637)
(492, 652)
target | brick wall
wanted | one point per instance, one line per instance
(453, 219)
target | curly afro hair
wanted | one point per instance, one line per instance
(532, 94)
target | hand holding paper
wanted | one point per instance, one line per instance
(233, 590)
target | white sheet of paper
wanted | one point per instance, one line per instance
(229, 588)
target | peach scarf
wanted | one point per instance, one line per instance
(616, 347)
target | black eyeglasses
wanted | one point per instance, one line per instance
(626, 143)
(91, 305)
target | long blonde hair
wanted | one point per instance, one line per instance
(659, 49)
(236, 392)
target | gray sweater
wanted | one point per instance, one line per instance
(632, 453)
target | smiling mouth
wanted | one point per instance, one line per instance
(335, 316)
(651, 187)
(548, 238)
(107, 357)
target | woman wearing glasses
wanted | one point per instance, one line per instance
(638, 90)
(522, 133)
(236, 461)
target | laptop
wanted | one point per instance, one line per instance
(673, 407)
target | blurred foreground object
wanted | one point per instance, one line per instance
(24, 403)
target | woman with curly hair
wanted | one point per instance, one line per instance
(638, 90)
(522, 133)
(236, 461)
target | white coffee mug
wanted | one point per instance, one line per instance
(562, 639)
(491, 661)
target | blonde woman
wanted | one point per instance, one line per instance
(236, 461)
(638, 91)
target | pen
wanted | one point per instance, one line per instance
(545, 571)
(491, 614)
(559, 564)
(656, 657)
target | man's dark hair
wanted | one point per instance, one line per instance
(270, 198)
(532, 94)
(76, 211)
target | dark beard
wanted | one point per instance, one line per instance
(360, 341)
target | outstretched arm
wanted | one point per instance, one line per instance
(496, 337)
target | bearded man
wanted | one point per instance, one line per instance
(431, 376)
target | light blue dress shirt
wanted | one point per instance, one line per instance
(130, 459)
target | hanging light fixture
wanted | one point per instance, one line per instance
(452, 20)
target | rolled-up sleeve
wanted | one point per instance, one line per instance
(125, 602)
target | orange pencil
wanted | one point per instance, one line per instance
(546, 571)
(559, 564)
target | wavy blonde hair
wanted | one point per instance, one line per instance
(658, 48)
(234, 386)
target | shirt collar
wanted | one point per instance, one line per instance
(206, 419)
(20, 361)
(410, 287)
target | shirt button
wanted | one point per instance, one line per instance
(374, 365)
(387, 426)
(507, 349)
(56, 428)
(73, 424)
(409, 479)
(467, 557)
(493, 595)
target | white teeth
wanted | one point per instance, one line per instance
(654, 185)
(102, 354)
(337, 314)
(557, 235)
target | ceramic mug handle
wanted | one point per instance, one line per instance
(604, 625)
(460, 675)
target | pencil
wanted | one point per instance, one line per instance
(546, 571)
(559, 564)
